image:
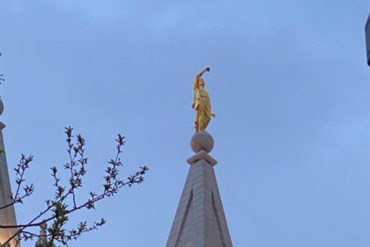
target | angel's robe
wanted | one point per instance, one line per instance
(202, 107)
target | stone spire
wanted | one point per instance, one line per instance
(7, 215)
(367, 30)
(42, 235)
(200, 219)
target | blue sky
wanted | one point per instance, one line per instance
(289, 84)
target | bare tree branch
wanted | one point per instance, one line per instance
(65, 202)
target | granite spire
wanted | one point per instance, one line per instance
(200, 219)
(7, 214)
(367, 33)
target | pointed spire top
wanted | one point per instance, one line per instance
(7, 214)
(1, 106)
(202, 143)
(43, 235)
(200, 219)
(367, 30)
(2, 125)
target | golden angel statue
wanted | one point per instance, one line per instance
(202, 103)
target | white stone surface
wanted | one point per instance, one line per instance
(202, 141)
(200, 220)
(7, 215)
(202, 155)
(1, 107)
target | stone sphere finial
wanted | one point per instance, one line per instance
(1, 107)
(202, 140)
